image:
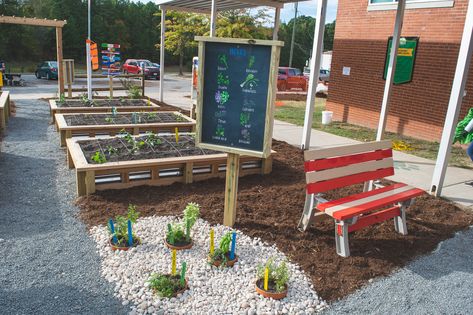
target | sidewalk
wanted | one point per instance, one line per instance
(409, 169)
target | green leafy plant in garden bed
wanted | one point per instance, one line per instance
(99, 157)
(278, 275)
(178, 234)
(166, 285)
(121, 227)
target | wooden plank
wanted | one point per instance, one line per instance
(372, 218)
(267, 165)
(317, 165)
(231, 189)
(189, 172)
(32, 21)
(89, 182)
(314, 188)
(339, 172)
(377, 204)
(238, 41)
(60, 65)
(346, 150)
(5, 110)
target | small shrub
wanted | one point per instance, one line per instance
(180, 232)
(99, 157)
(165, 285)
(278, 274)
(220, 254)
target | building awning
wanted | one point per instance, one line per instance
(205, 6)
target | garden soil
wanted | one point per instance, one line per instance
(270, 206)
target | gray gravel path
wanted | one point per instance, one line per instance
(48, 264)
(441, 283)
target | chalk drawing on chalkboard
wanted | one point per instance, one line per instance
(245, 133)
(244, 119)
(250, 82)
(222, 60)
(251, 62)
(222, 97)
(220, 132)
(223, 79)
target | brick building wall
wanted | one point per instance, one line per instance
(417, 108)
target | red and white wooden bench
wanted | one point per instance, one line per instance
(336, 167)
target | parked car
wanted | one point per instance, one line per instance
(324, 74)
(291, 78)
(137, 66)
(47, 69)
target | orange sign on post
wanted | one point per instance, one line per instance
(94, 55)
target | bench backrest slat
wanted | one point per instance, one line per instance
(342, 166)
(4, 98)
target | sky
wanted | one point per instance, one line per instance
(308, 8)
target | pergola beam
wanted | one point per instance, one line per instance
(32, 21)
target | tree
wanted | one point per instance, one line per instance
(244, 24)
(181, 28)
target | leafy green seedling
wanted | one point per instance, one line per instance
(99, 157)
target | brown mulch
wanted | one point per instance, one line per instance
(270, 206)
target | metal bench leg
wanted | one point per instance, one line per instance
(307, 215)
(341, 242)
(400, 223)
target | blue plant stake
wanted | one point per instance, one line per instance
(112, 229)
(232, 252)
(130, 234)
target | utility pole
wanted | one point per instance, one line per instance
(291, 53)
(89, 61)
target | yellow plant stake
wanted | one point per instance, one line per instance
(211, 242)
(176, 130)
(266, 278)
(173, 262)
(149, 101)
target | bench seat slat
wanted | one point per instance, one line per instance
(371, 203)
(340, 161)
(314, 188)
(372, 218)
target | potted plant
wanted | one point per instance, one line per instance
(223, 256)
(272, 279)
(169, 285)
(178, 234)
(122, 235)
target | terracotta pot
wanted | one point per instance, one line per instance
(186, 287)
(115, 247)
(217, 263)
(170, 246)
(268, 294)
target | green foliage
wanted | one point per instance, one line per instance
(180, 232)
(111, 150)
(62, 98)
(225, 242)
(165, 285)
(152, 115)
(278, 273)
(152, 139)
(121, 225)
(99, 157)
(244, 23)
(109, 119)
(220, 254)
(134, 91)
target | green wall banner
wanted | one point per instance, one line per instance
(406, 57)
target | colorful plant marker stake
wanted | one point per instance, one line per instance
(212, 245)
(130, 234)
(112, 229)
(149, 101)
(232, 252)
(176, 130)
(173, 262)
(266, 279)
(183, 273)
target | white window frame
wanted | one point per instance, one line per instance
(411, 4)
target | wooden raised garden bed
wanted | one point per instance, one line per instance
(5, 110)
(117, 163)
(92, 124)
(101, 106)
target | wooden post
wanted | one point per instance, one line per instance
(231, 189)
(60, 70)
(110, 85)
(143, 85)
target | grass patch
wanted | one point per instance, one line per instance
(294, 111)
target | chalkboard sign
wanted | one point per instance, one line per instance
(237, 81)
(406, 57)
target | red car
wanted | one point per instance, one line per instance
(135, 66)
(291, 78)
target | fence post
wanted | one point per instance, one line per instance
(143, 85)
(110, 85)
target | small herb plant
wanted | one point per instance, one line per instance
(62, 98)
(111, 150)
(121, 226)
(109, 119)
(168, 286)
(134, 92)
(99, 157)
(179, 233)
(152, 115)
(152, 139)
(278, 275)
(223, 250)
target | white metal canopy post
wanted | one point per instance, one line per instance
(88, 57)
(277, 22)
(317, 51)
(213, 18)
(383, 117)
(454, 105)
(161, 55)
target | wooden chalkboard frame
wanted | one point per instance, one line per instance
(272, 81)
